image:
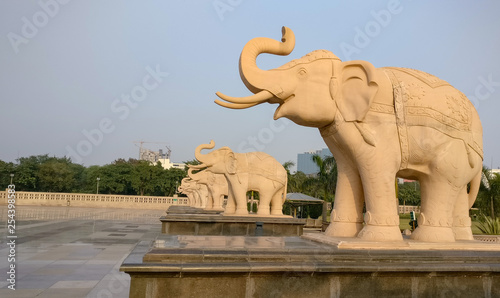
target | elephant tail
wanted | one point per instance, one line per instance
(474, 188)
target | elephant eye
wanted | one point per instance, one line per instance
(302, 72)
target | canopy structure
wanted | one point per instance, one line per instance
(296, 199)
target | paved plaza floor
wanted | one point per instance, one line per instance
(72, 251)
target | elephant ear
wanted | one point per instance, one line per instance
(230, 161)
(358, 89)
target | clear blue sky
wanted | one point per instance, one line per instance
(68, 67)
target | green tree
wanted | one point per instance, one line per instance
(409, 193)
(57, 175)
(489, 193)
(27, 178)
(115, 178)
(287, 165)
(324, 183)
(170, 180)
(296, 182)
(6, 168)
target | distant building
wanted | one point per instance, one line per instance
(305, 163)
(158, 156)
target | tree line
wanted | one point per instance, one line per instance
(43, 173)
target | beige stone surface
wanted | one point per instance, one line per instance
(197, 193)
(216, 185)
(378, 123)
(253, 171)
(406, 244)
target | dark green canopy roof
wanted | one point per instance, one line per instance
(296, 197)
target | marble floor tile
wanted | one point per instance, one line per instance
(72, 252)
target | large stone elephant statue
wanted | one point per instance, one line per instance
(244, 172)
(378, 123)
(216, 184)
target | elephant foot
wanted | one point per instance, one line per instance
(343, 229)
(277, 212)
(433, 234)
(241, 212)
(462, 233)
(229, 210)
(462, 228)
(380, 233)
(263, 211)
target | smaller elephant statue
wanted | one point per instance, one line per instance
(185, 188)
(216, 184)
(253, 171)
(197, 193)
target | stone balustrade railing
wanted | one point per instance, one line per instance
(92, 200)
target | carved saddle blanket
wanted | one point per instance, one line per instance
(432, 103)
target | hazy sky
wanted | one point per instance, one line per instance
(86, 79)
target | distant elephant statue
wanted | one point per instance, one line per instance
(244, 172)
(378, 123)
(216, 184)
(185, 188)
(197, 193)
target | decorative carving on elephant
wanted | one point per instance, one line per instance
(197, 193)
(378, 123)
(244, 172)
(216, 184)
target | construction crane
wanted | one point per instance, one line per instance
(169, 151)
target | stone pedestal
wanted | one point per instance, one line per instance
(238, 266)
(216, 224)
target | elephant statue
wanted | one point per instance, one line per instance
(379, 124)
(197, 193)
(216, 184)
(244, 172)
(185, 188)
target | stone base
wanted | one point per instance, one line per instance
(191, 210)
(216, 224)
(220, 266)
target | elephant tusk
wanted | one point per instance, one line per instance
(262, 96)
(197, 167)
(235, 106)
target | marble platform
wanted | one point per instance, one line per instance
(243, 266)
(194, 221)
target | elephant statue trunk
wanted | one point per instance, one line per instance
(200, 157)
(255, 78)
(264, 83)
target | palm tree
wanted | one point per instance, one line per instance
(325, 182)
(489, 191)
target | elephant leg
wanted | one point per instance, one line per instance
(277, 203)
(264, 203)
(461, 220)
(436, 217)
(218, 201)
(231, 204)
(381, 217)
(210, 204)
(347, 214)
(241, 201)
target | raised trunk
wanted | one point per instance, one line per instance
(255, 78)
(197, 152)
